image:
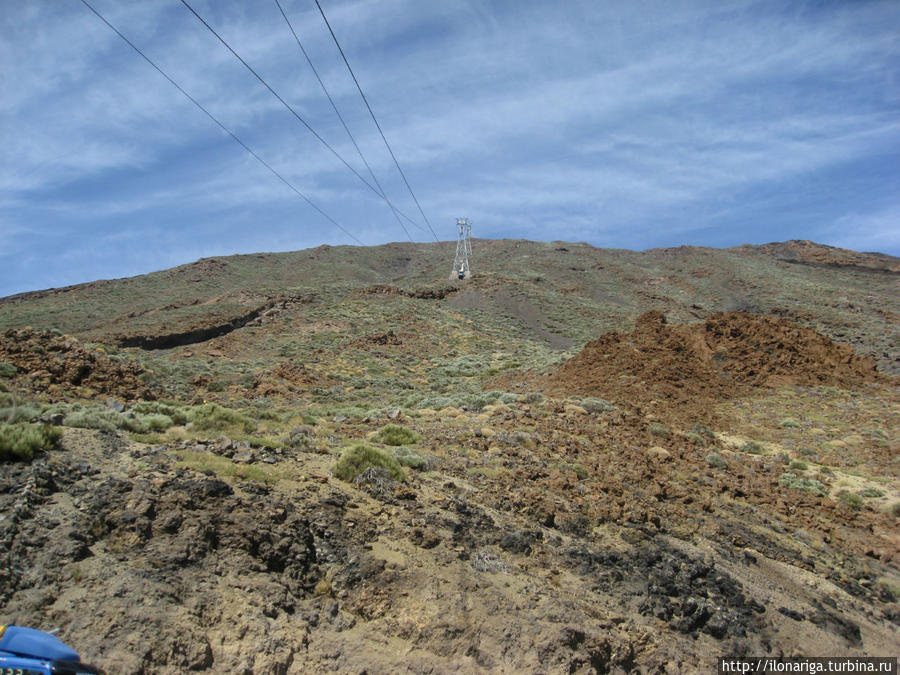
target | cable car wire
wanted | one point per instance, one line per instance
(343, 122)
(285, 103)
(374, 119)
(222, 126)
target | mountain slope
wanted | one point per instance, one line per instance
(699, 482)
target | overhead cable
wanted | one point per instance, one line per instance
(222, 126)
(374, 119)
(284, 103)
(343, 122)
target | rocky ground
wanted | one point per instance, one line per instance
(668, 494)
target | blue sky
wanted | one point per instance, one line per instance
(624, 124)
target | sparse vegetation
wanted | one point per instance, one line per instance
(574, 485)
(206, 462)
(716, 461)
(413, 460)
(578, 469)
(22, 440)
(791, 480)
(213, 417)
(597, 405)
(18, 413)
(753, 448)
(358, 458)
(704, 431)
(658, 430)
(696, 439)
(394, 434)
(851, 501)
(177, 414)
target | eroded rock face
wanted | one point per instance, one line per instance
(58, 365)
(151, 572)
(692, 366)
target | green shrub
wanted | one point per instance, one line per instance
(175, 413)
(792, 481)
(95, 418)
(407, 457)
(753, 448)
(21, 441)
(155, 422)
(704, 431)
(360, 457)
(658, 430)
(871, 493)
(790, 423)
(213, 417)
(394, 434)
(851, 501)
(799, 465)
(106, 419)
(716, 461)
(696, 439)
(7, 369)
(597, 405)
(18, 413)
(578, 469)
(533, 397)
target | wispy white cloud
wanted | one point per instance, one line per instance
(652, 120)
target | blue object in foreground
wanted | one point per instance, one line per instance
(33, 652)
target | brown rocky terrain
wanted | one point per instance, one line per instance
(693, 366)
(588, 486)
(57, 366)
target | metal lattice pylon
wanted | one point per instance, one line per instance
(463, 250)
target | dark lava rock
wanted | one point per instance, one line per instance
(517, 541)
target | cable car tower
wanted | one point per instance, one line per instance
(463, 250)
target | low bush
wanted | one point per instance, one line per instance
(104, 419)
(18, 413)
(578, 469)
(871, 493)
(358, 458)
(851, 501)
(793, 481)
(658, 430)
(175, 413)
(597, 405)
(413, 460)
(7, 369)
(394, 434)
(213, 417)
(716, 461)
(696, 439)
(799, 465)
(20, 441)
(753, 448)
(790, 423)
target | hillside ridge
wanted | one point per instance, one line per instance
(580, 460)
